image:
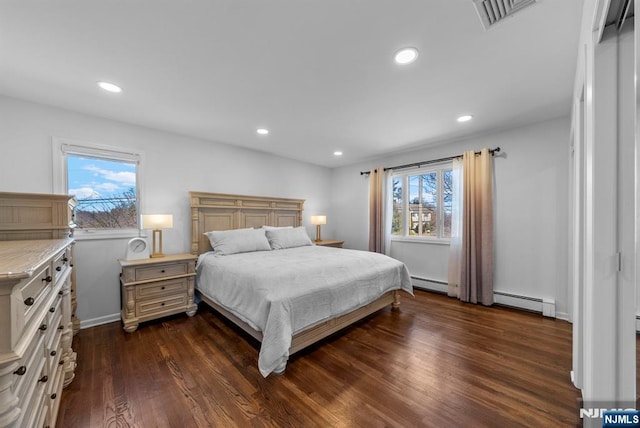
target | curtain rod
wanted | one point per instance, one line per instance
(409, 165)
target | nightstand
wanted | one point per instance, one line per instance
(156, 287)
(329, 243)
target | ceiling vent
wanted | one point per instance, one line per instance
(493, 11)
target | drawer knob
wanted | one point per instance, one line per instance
(53, 353)
(21, 371)
(43, 327)
(47, 279)
(43, 379)
(59, 268)
(29, 301)
(52, 309)
(53, 396)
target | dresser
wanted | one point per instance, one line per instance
(156, 287)
(36, 357)
(29, 216)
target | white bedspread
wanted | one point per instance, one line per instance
(283, 292)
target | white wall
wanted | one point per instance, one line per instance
(531, 191)
(173, 165)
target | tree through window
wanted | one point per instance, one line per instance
(422, 203)
(105, 190)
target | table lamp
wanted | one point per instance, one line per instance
(157, 222)
(318, 220)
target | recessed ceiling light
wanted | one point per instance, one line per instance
(110, 87)
(406, 56)
(337, 153)
(262, 131)
(465, 118)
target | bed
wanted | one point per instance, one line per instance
(289, 297)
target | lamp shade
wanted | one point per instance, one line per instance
(318, 219)
(157, 221)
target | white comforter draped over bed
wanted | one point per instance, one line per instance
(283, 292)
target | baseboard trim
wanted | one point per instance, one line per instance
(93, 322)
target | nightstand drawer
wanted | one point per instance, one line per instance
(147, 307)
(161, 271)
(160, 288)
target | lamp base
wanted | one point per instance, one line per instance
(157, 251)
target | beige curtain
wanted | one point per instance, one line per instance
(474, 257)
(376, 210)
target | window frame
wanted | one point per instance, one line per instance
(61, 147)
(404, 174)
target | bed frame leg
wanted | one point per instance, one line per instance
(396, 299)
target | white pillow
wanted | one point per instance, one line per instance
(265, 227)
(225, 242)
(279, 239)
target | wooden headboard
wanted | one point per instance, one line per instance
(219, 211)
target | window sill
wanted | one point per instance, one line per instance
(95, 235)
(436, 241)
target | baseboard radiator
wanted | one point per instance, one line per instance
(544, 306)
(429, 284)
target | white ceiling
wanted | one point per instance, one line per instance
(318, 74)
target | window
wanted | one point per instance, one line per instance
(422, 203)
(105, 183)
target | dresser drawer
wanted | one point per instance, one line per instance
(54, 309)
(52, 341)
(54, 393)
(158, 306)
(31, 366)
(35, 289)
(44, 415)
(161, 288)
(35, 413)
(61, 263)
(161, 271)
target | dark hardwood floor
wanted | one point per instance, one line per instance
(435, 362)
